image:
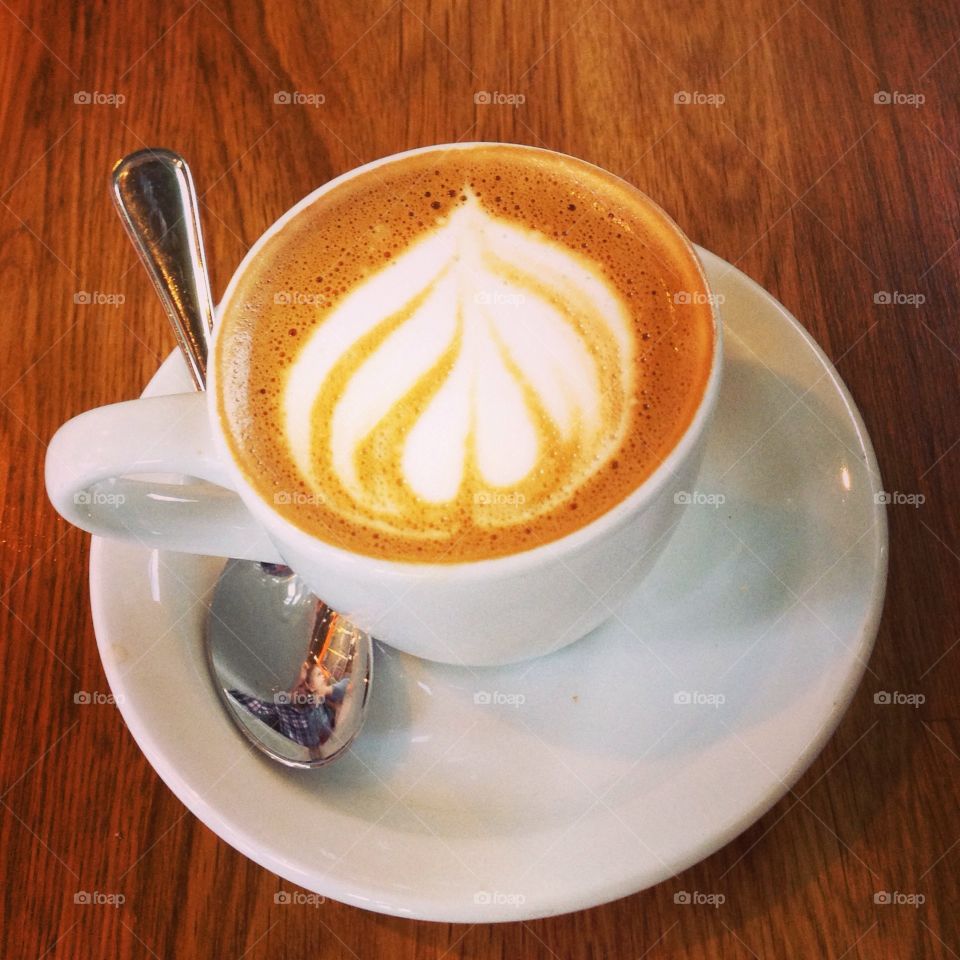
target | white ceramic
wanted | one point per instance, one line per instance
(488, 612)
(516, 792)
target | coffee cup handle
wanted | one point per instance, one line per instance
(91, 476)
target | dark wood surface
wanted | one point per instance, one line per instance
(799, 177)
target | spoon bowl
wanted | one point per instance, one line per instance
(302, 711)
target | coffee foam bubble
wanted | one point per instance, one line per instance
(462, 354)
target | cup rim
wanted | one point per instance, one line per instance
(569, 544)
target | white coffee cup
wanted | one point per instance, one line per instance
(479, 613)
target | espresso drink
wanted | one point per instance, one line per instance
(463, 354)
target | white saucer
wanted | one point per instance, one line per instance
(582, 779)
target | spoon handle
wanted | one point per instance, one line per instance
(154, 194)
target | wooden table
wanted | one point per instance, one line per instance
(783, 161)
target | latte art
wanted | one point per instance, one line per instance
(485, 360)
(462, 353)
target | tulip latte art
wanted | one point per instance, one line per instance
(462, 354)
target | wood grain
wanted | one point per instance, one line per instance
(822, 195)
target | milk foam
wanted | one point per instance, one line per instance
(526, 343)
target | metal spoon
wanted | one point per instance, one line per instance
(294, 675)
